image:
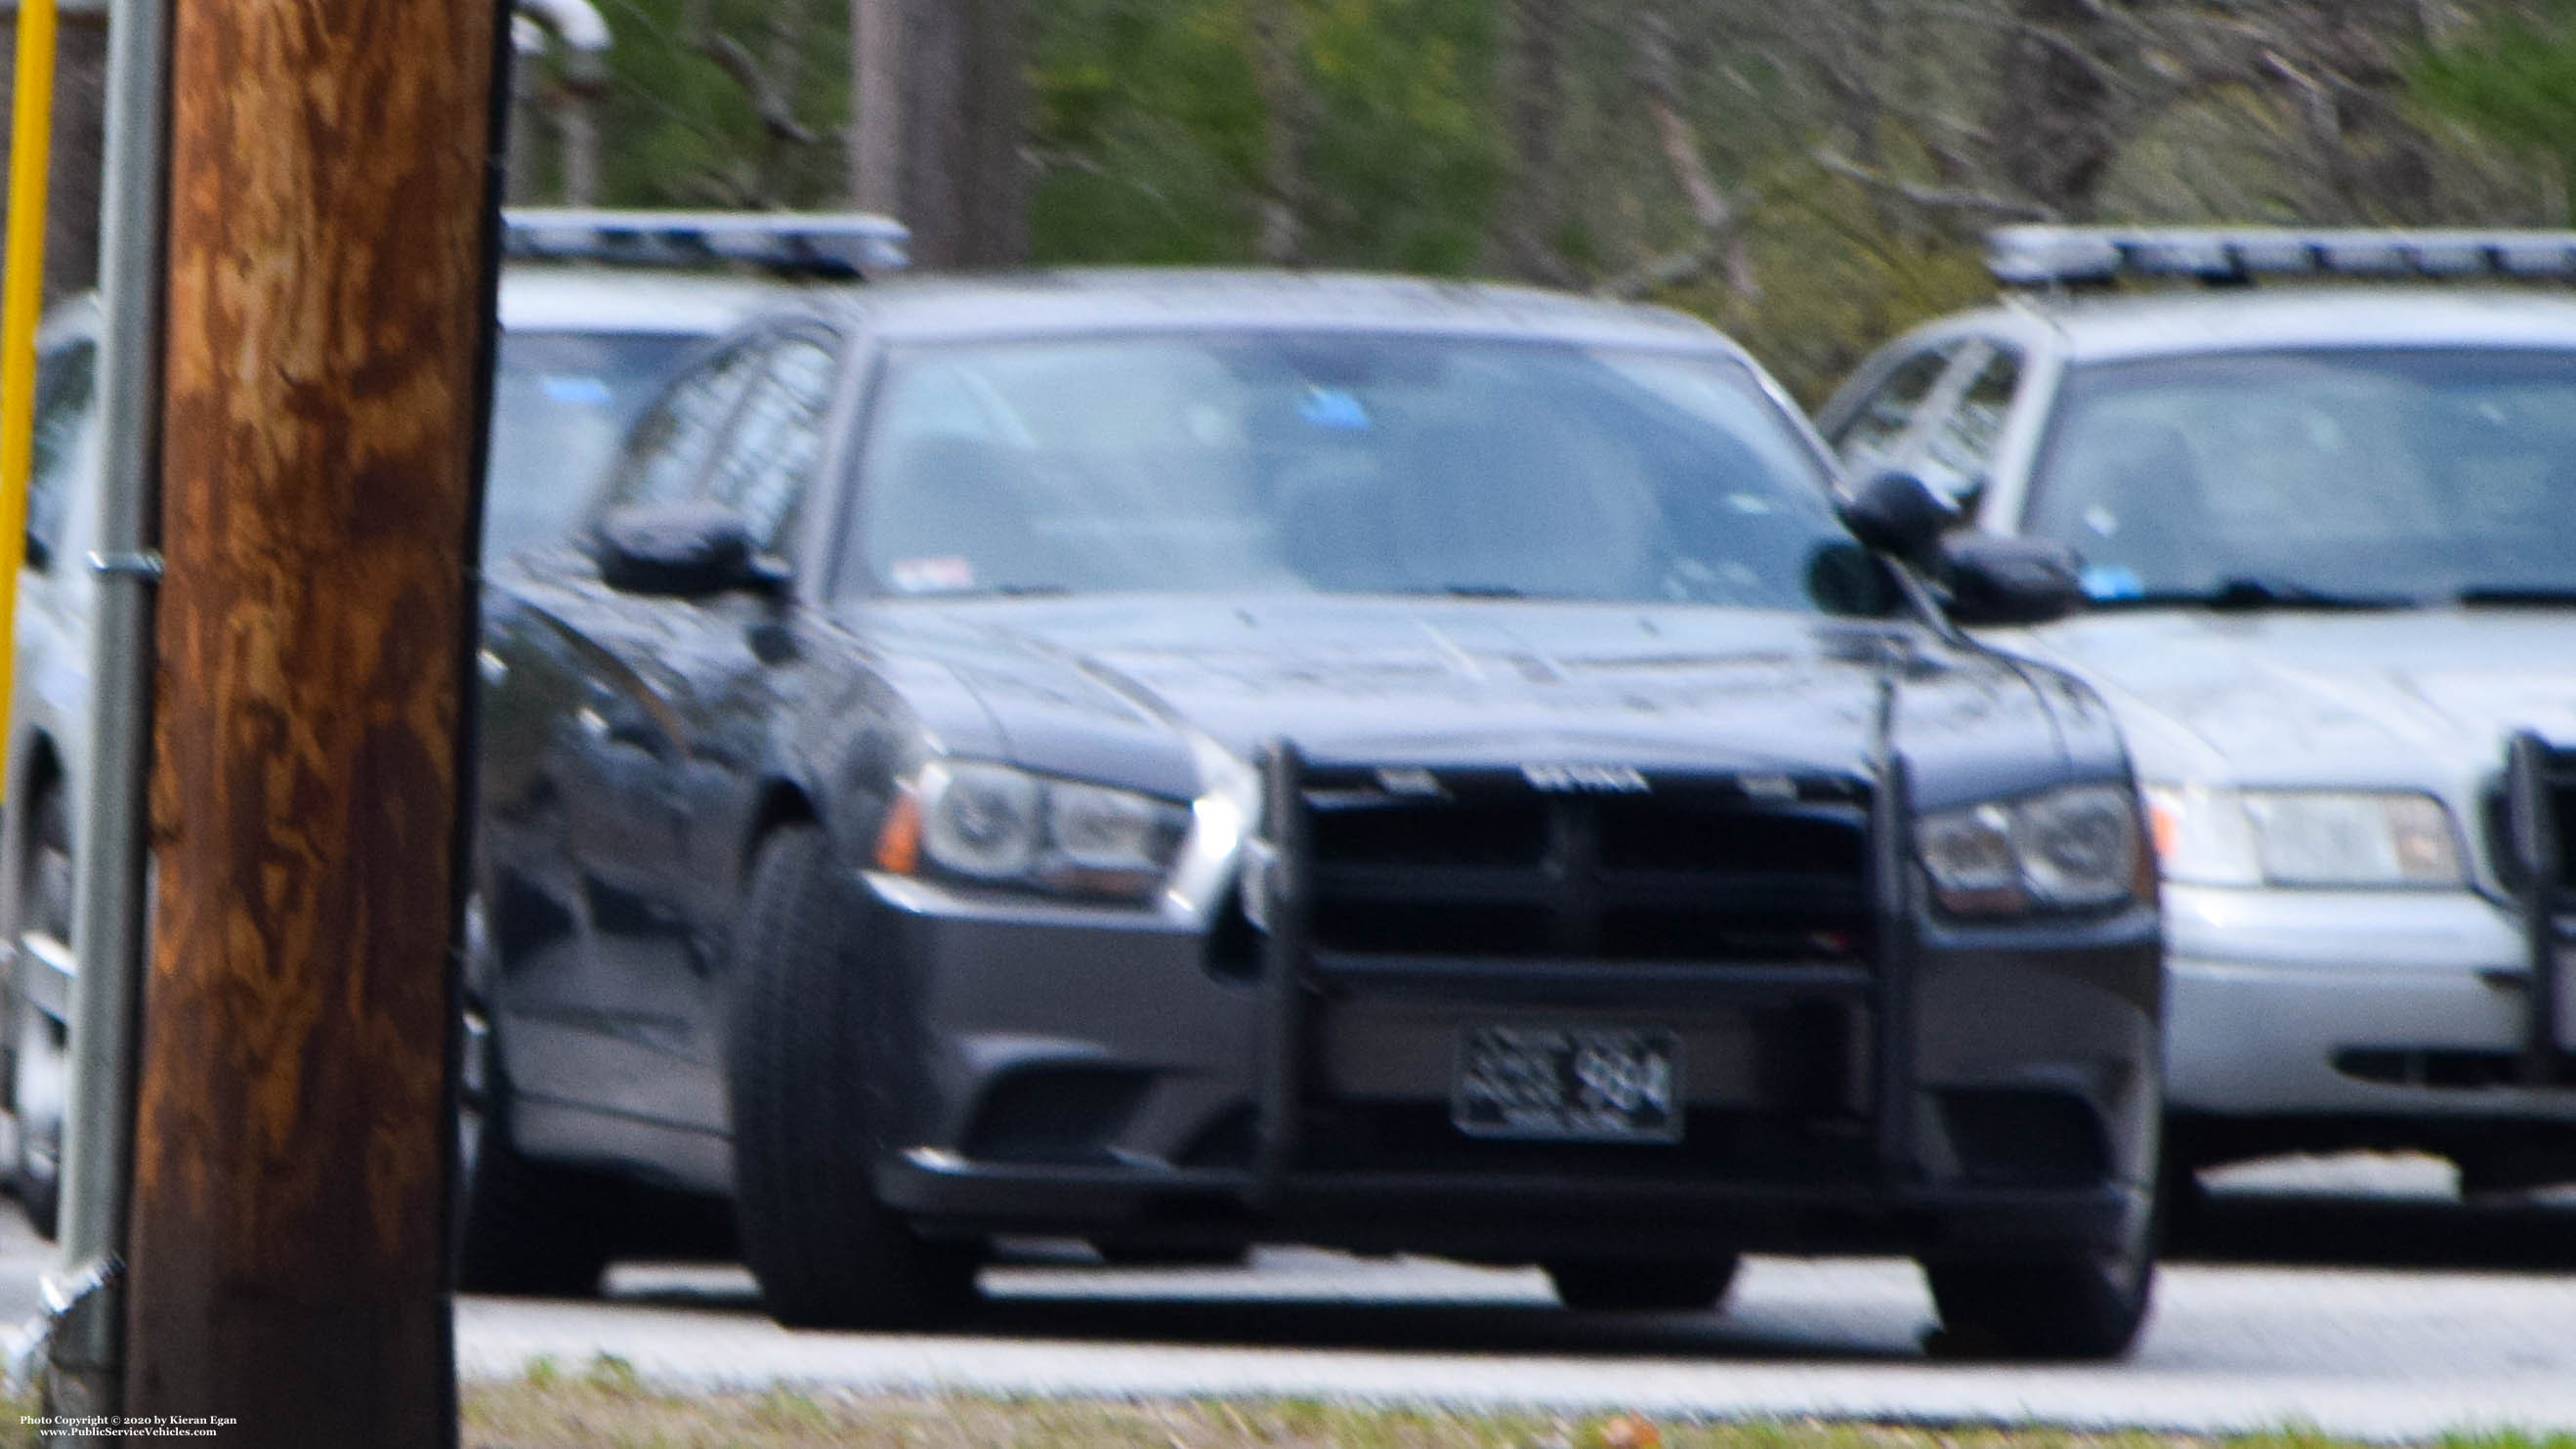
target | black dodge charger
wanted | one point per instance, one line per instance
(1183, 760)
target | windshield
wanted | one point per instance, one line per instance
(1344, 464)
(560, 403)
(2329, 476)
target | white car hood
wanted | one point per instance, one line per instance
(2419, 698)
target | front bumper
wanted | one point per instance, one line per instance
(1502, 1217)
(1110, 1074)
(2390, 1006)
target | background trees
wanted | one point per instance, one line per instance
(1810, 175)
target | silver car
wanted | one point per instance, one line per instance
(597, 309)
(2330, 540)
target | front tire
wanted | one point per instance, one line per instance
(825, 1251)
(1623, 1286)
(2073, 1308)
(39, 1068)
(39, 1059)
(525, 1227)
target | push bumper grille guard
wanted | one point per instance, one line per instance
(1892, 984)
(1290, 989)
(1285, 987)
(2540, 787)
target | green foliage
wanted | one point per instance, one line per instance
(1835, 278)
(682, 131)
(1406, 147)
(1152, 127)
(1149, 120)
(2515, 80)
(1152, 137)
(611, 1373)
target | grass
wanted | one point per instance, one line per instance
(605, 1407)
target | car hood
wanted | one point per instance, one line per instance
(1096, 688)
(2412, 698)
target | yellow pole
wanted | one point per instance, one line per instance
(22, 300)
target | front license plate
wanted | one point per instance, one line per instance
(1546, 1083)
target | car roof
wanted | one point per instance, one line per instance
(2134, 327)
(1083, 301)
(544, 297)
(538, 297)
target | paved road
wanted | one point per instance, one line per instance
(2458, 1320)
(2375, 1353)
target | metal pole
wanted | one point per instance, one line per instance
(22, 301)
(83, 1376)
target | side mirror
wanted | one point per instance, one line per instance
(1899, 515)
(687, 550)
(2011, 580)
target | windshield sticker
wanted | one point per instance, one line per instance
(2111, 581)
(575, 390)
(943, 575)
(1330, 407)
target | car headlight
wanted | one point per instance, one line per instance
(1005, 826)
(2070, 849)
(2310, 838)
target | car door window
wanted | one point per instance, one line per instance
(66, 384)
(1960, 456)
(762, 466)
(667, 451)
(1875, 434)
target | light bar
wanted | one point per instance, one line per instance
(837, 244)
(2073, 256)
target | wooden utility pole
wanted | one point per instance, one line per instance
(326, 319)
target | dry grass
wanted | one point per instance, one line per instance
(605, 1407)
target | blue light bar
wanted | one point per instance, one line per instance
(834, 244)
(2072, 256)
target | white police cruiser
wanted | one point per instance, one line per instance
(2330, 536)
(596, 309)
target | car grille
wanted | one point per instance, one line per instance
(1702, 870)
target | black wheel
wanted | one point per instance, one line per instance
(826, 1252)
(1633, 1287)
(524, 1227)
(38, 1059)
(2182, 1201)
(2075, 1308)
(2086, 1309)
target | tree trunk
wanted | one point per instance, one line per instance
(2057, 116)
(1536, 88)
(328, 303)
(939, 120)
(1277, 63)
(876, 105)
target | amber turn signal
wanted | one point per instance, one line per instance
(899, 839)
